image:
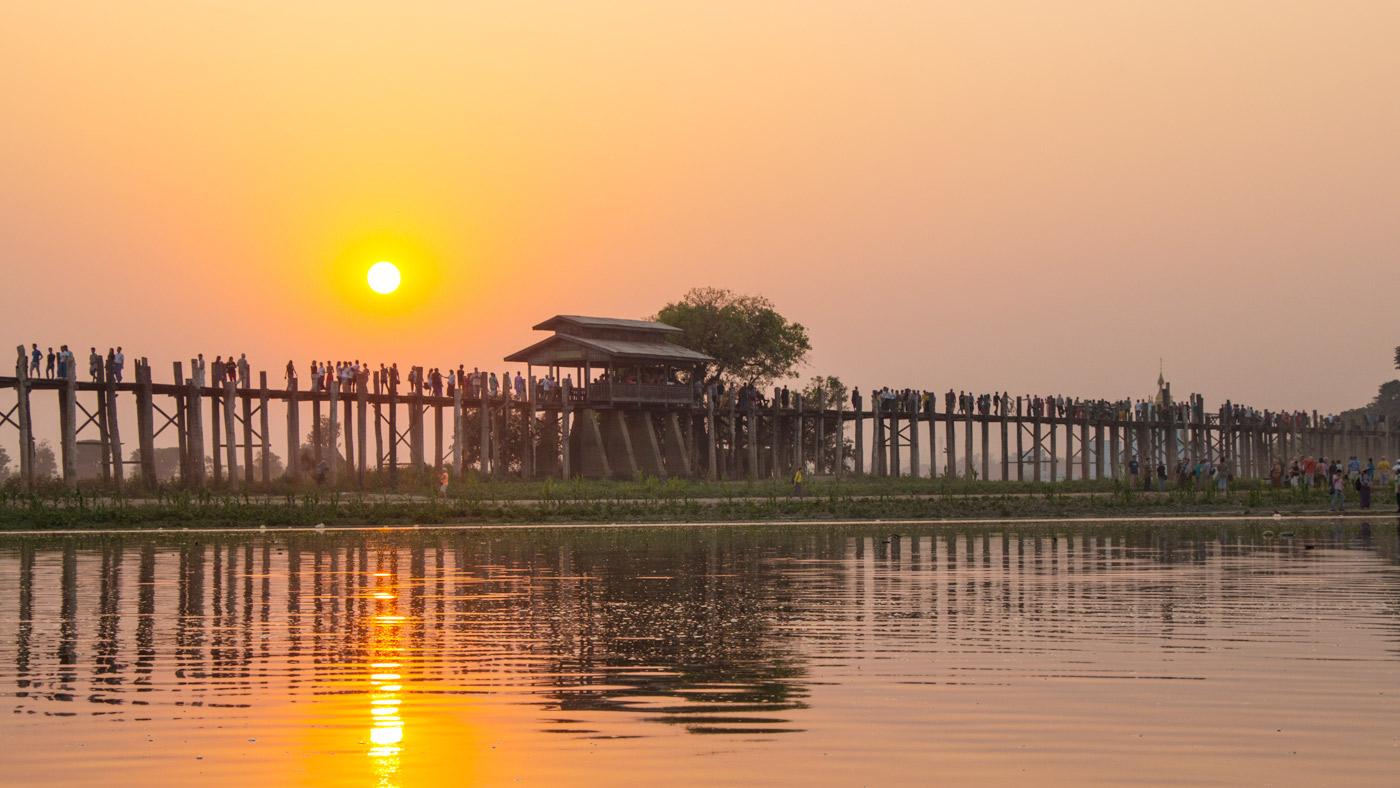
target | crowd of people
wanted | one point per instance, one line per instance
(57, 364)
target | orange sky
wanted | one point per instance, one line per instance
(991, 195)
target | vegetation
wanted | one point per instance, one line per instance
(647, 500)
(749, 340)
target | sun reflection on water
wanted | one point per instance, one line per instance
(386, 733)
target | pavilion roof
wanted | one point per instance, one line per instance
(569, 350)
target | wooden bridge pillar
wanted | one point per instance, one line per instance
(194, 430)
(457, 429)
(361, 428)
(1084, 446)
(68, 423)
(247, 398)
(181, 430)
(819, 456)
(26, 431)
(1035, 449)
(968, 470)
(914, 464)
(840, 430)
(293, 431)
(878, 458)
(483, 412)
(230, 442)
(145, 424)
(1054, 450)
(950, 443)
(750, 438)
(438, 447)
(1005, 444)
(859, 419)
(415, 422)
(565, 413)
(775, 439)
(1020, 443)
(333, 427)
(1098, 448)
(1115, 455)
(986, 447)
(264, 435)
(677, 459)
(931, 413)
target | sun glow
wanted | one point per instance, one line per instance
(384, 277)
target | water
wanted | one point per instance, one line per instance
(815, 654)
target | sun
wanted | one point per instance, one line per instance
(384, 277)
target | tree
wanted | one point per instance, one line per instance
(827, 391)
(45, 466)
(4, 463)
(329, 443)
(749, 340)
(1397, 356)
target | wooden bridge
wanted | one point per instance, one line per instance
(606, 429)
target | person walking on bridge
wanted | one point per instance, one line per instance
(49, 364)
(35, 357)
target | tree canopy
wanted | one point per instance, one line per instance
(749, 340)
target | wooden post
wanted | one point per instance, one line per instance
(1005, 444)
(194, 427)
(145, 424)
(102, 434)
(316, 437)
(1098, 448)
(393, 435)
(1114, 452)
(732, 455)
(932, 434)
(820, 454)
(1035, 449)
(331, 429)
(230, 441)
(860, 440)
(114, 434)
(349, 429)
(968, 470)
(950, 439)
(247, 398)
(986, 447)
(415, 422)
(1020, 444)
(216, 430)
(1084, 446)
(361, 427)
(379, 425)
(457, 429)
(711, 470)
(68, 420)
(529, 461)
(1054, 450)
(840, 429)
(750, 435)
(181, 430)
(775, 431)
(914, 465)
(565, 410)
(26, 431)
(265, 438)
(438, 453)
(878, 457)
(484, 414)
(797, 438)
(293, 432)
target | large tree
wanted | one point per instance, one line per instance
(749, 340)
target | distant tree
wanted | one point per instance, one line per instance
(749, 340)
(827, 391)
(1397, 356)
(45, 466)
(4, 463)
(275, 465)
(329, 442)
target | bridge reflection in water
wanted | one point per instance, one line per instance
(466, 652)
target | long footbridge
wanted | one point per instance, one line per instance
(368, 432)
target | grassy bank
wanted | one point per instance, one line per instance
(615, 502)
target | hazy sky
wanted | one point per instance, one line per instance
(971, 194)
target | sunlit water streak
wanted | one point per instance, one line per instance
(845, 654)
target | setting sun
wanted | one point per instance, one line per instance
(383, 277)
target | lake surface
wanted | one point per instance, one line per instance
(878, 654)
